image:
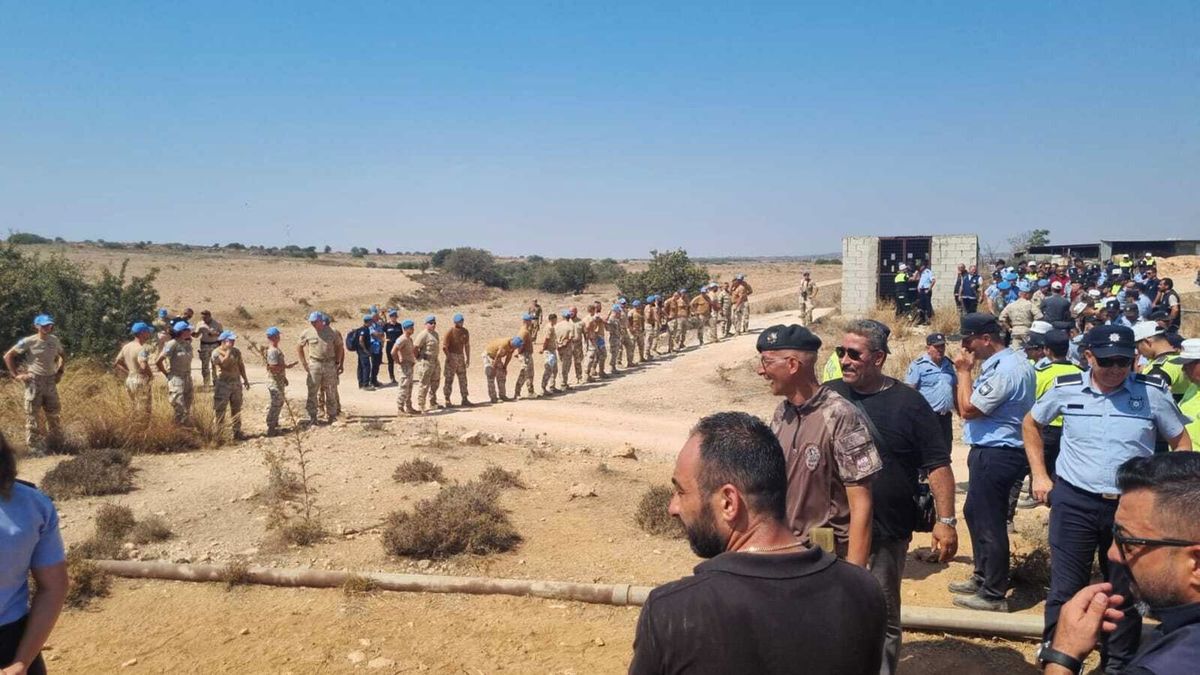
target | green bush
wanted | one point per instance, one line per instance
(26, 238)
(93, 317)
(667, 273)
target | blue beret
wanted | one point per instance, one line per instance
(315, 316)
(431, 319)
(517, 342)
(226, 335)
(43, 320)
(637, 303)
(180, 326)
(458, 318)
(407, 323)
(392, 312)
(139, 327)
(272, 332)
(527, 317)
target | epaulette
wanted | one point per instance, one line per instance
(26, 483)
(1152, 379)
(1043, 366)
(1067, 380)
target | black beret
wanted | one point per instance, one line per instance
(795, 337)
(979, 323)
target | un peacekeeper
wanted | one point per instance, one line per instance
(1018, 315)
(1110, 415)
(525, 355)
(322, 355)
(133, 361)
(613, 322)
(594, 334)
(671, 320)
(228, 369)
(42, 360)
(637, 330)
(991, 407)
(208, 332)
(626, 332)
(277, 367)
(933, 376)
(496, 356)
(683, 316)
(565, 336)
(425, 346)
(652, 325)
(741, 303)
(577, 335)
(535, 311)
(457, 348)
(549, 349)
(403, 353)
(175, 363)
(702, 308)
(725, 305)
(162, 328)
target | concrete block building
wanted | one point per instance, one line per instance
(869, 266)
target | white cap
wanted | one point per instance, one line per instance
(1056, 285)
(1189, 351)
(903, 266)
(1094, 292)
(1149, 254)
(1145, 329)
(1041, 327)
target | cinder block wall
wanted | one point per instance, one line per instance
(860, 275)
(946, 252)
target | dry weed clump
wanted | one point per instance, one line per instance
(114, 526)
(87, 581)
(92, 473)
(235, 573)
(356, 584)
(1031, 563)
(652, 514)
(302, 532)
(150, 530)
(290, 495)
(460, 519)
(114, 521)
(500, 479)
(418, 471)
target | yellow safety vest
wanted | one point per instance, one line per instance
(1190, 406)
(1044, 378)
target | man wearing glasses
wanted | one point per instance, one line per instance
(1156, 537)
(991, 407)
(1109, 415)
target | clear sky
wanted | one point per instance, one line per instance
(598, 128)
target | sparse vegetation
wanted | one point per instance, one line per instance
(114, 521)
(93, 473)
(667, 273)
(150, 530)
(235, 573)
(242, 313)
(88, 581)
(25, 238)
(500, 478)
(418, 471)
(1030, 562)
(652, 514)
(356, 584)
(460, 519)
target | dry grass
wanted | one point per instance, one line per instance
(885, 312)
(235, 573)
(150, 530)
(302, 532)
(114, 521)
(460, 519)
(93, 473)
(418, 471)
(652, 514)
(501, 478)
(356, 584)
(115, 525)
(87, 581)
(1030, 563)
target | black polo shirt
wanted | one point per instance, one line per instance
(763, 613)
(1175, 647)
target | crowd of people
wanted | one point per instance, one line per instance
(806, 520)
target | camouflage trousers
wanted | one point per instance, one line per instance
(741, 318)
(614, 350)
(429, 376)
(566, 356)
(180, 394)
(276, 390)
(404, 395)
(525, 377)
(497, 379)
(806, 310)
(595, 360)
(228, 394)
(139, 392)
(456, 366)
(205, 353)
(639, 345)
(322, 379)
(678, 328)
(727, 321)
(577, 359)
(627, 344)
(41, 395)
(550, 371)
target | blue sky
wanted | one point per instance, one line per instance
(598, 129)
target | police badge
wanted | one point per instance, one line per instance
(1137, 402)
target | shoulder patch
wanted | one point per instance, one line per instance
(1044, 366)
(1153, 379)
(1068, 380)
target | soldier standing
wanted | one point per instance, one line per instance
(808, 298)
(525, 377)
(134, 361)
(175, 363)
(277, 381)
(425, 346)
(670, 316)
(42, 365)
(228, 369)
(549, 347)
(457, 348)
(613, 322)
(495, 365)
(322, 355)
(740, 295)
(1018, 316)
(208, 332)
(651, 325)
(682, 317)
(162, 328)
(535, 311)
(576, 345)
(701, 308)
(637, 330)
(593, 332)
(566, 346)
(404, 354)
(725, 305)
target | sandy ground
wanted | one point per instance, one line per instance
(209, 499)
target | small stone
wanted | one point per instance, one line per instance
(423, 564)
(599, 642)
(627, 452)
(364, 642)
(475, 437)
(130, 662)
(581, 490)
(380, 662)
(244, 631)
(356, 657)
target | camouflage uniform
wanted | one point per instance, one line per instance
(808, 299)
(276, 387)
(525, 377)
(577, 348)
(1018, 317)
(550, 350)
(178, 355)
(725, 305)
(495, 368)
(457, 343)
(594, 335)
(637, 331)
(40, 355)
(614, 339)
(428, 373)
(741, 306)
(701, 314)
(566, 349)
(227, 388)
(206, 332)
(408, 360)
(321, 354)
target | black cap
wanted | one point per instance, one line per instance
(1034, 340)
(979, 323)
(1112, 305)
(795, 337)
(1158, 315)
(1057, 341)
(1105, 341)
(935, 339)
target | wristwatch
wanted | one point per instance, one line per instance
(1048, 654)
(951, 521)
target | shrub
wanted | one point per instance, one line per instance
(418, 471)
(652, 513)
(302, 532)
(501, 478)
(667, 273)
(114, 521)
(26, 238)
(460, 519)
(150, 530)
(356, 584)
(358, 252)
(439, 257)
(242, 313)
(87, 581)
(473, 264)
(235, 573)
(93, 473)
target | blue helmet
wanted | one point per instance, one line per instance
(458, 318)
(139, 327)
(272, 332)
(517, 342)
(1024, 286)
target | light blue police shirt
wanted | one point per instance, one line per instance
(926, 281)
(1101, 431)
(29, 539)
(933, 381)
(1003, 392)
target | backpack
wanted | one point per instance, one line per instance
(352, 340)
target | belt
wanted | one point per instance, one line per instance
(948, 413)
(1015, 448)
(1109, 496)
(214, 342)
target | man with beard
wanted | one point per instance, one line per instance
(1109, 415)
(762, 602)
(1156, 535)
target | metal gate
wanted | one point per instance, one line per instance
(912, 251)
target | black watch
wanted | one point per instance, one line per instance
(1048, 654)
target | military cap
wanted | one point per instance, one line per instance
(407, 323)
(978, 323)
(788, 337)
(458, 318)
(315, 316)
(43, 320)
(272, 331)
(1105, 341)
(431, 319)
(226, 335)
(935, 339)
(180, 326)
(1035, 340)
(1057, 340)
(139, 327)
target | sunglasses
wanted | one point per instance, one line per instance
(1123, 541)
(767, 361)
(1114, 362)
(854, 354)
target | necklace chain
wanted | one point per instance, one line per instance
(770, 549)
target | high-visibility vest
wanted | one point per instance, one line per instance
(1044, 378)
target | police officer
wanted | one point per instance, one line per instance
(933, 376)
(1189, 360)
(41, 367)
(1152, 344)
(1109, 415)
(992, 407)
(900, 282)
(1056, 365)
(175, 363)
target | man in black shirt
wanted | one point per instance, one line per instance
(763, 603)
(909, 439)
(1056, 307)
